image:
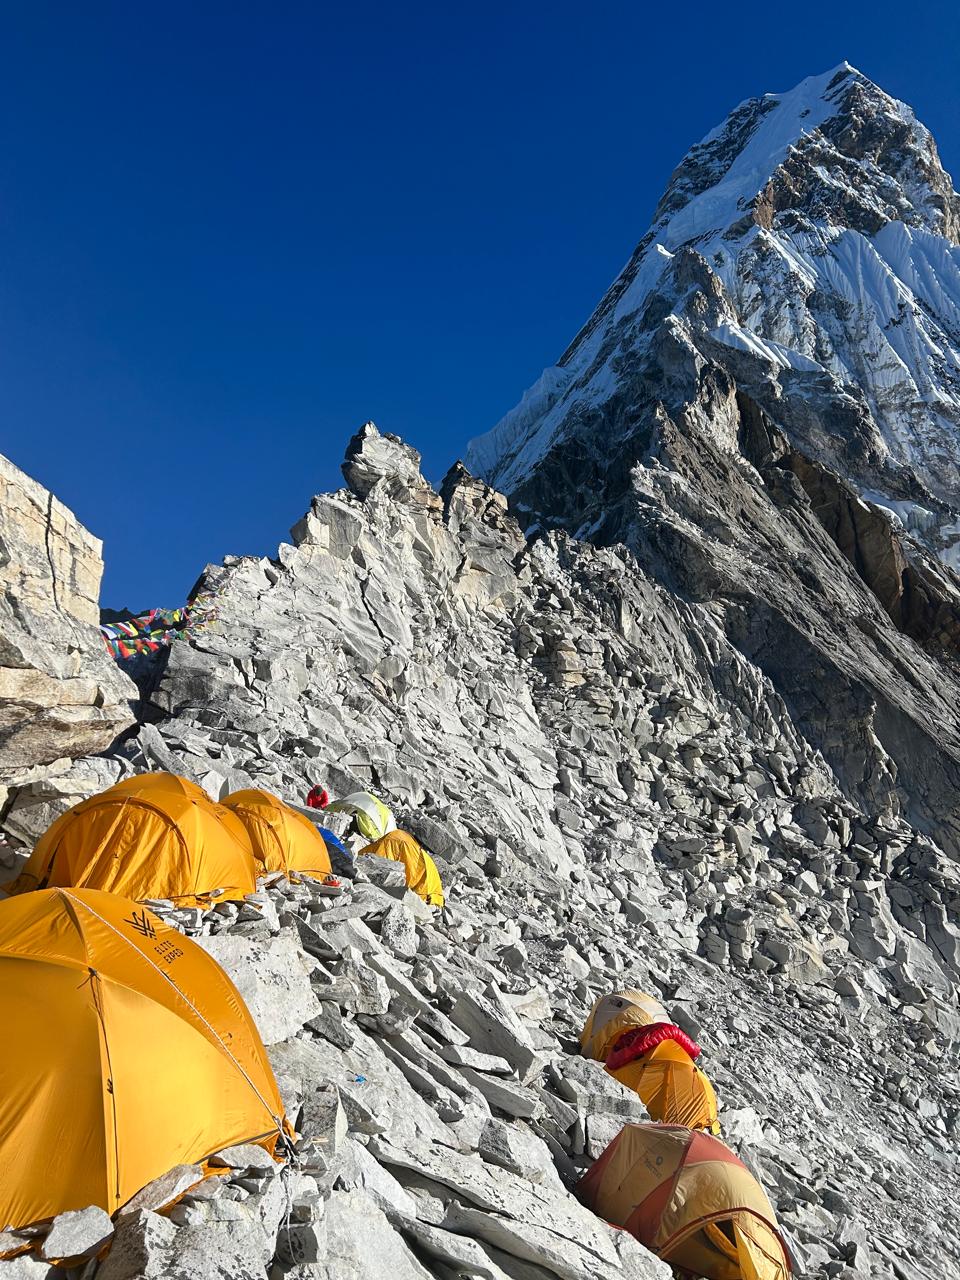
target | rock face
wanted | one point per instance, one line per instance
(61, 696)
(615, 794)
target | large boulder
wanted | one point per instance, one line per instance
(272, 979)
(61, 695)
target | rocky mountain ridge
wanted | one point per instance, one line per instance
(678, 712)
(741, 415)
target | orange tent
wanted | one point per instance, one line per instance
(672, 1087)
(670, 1084)
(141, 783)
(420, 869)
(152, 836)
(128, 1051)
(282, 839)
(690, 1200)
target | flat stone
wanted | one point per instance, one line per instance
(493, 1027)
(465, 1257)
(514, 1148)
(464, 1056)
(360, 1243)
(323, 1120)
(245, 1156)
(398, 931)
(301, 1246)
(27, 1266)
(79, 1233)
(361, 1170)
(272, 979)
(504, 1095)
(164, 1190)
(742, 1125)
(140, 1247)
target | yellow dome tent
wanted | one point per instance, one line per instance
(660, 1067)
(421, 871)
(371, 815)
(282, 839)
(141, 783)
(689, 1199)
(127, 1051)
(153, 836)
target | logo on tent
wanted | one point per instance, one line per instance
(143, 924)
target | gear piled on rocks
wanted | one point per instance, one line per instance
(282, 839)
(151, 836)
(631, 1033)
(340, 856)
(371, 816)
(686, 1196)
(128, 1052)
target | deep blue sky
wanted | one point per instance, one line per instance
(233, 232)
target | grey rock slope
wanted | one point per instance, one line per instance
(615, 794)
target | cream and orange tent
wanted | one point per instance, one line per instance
(420, 869)
(127, 1051)
(152, 836)
(689, 1199)
(630, 1032)
(615, 1014)
(282, 839)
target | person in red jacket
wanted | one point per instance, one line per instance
(317, 798)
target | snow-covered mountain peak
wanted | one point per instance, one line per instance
(834, 142)
(808, 247)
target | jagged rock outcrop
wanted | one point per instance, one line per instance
(61, 696)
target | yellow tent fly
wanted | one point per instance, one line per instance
(371, 815)
(128, 1051)
(615, 1014)
(153, 836)
(282, 839)
(690, 1200)
(671, 1085)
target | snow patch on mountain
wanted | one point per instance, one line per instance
(734, 335)
(783, 119)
